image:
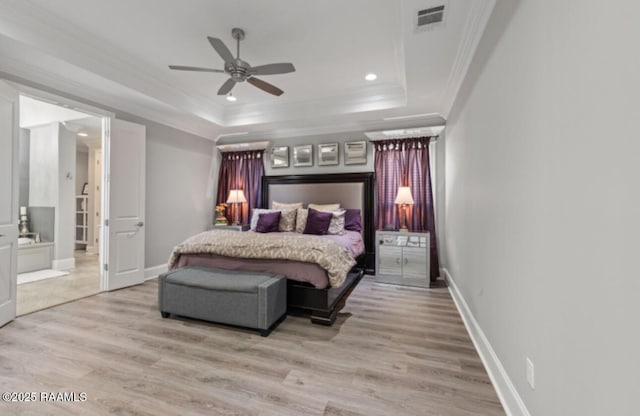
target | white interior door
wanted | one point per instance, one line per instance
(126, 204)
(9, 105)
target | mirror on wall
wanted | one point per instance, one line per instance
(328, 154)
(303, 155)
(355, 153)
(280, 156)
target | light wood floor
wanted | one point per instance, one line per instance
(82, 281)
(393, 351)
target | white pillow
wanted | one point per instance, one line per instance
(284, 205)
(301, 220)
(336, 226)
(324, 207)
(287, 220)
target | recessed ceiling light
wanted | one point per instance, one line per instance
(83, 134)
(371, 76)
(231, 98)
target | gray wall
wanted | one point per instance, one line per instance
(52, 170)
(177, 178)
(65, 230)
(23, 168)
(43, 166)
(82, 168)
(542, 201)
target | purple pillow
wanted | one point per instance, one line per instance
(268, 222)
(318, 222)
(352, 220)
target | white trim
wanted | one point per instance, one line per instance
(91, 250)
(507, 393)
(153, 272)
(63, 264)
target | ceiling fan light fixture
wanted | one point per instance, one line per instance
(239, 70)
(231, 98)
(371, 76)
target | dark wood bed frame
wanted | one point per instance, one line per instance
(323, 305)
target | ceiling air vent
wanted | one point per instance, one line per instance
(429, 18)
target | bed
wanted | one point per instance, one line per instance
(320, 286)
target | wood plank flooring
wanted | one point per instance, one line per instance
(393, 351)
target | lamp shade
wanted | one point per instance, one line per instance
(404, 196)
(236, 196)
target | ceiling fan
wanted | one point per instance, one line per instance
(240, 70)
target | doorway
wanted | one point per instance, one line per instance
(60, 199)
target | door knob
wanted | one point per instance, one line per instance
(139, 224)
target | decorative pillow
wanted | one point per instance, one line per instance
(336, 226)
(317, 222)
(352, 220)
(301, 219)
(283, 205)
(255, 216)
(324, 207)
(268, 222)
(287, 220)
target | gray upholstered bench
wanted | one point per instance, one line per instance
(250, 299)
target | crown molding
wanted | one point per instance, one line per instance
(474, 28)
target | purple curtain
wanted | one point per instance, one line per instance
(405, 162)
(241, 170)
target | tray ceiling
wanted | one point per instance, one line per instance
(116, 53)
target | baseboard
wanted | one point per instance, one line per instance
(63, 264)
(91, 250)
(507, 393)
(153, 272)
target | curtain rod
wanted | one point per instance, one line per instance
(407, 133)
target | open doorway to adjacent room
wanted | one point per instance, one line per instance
(60, 198)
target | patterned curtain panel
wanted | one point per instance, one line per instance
(405, 162)
(241, 170)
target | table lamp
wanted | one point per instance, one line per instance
(404, 198)
(236, 196)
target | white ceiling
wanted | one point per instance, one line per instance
(37, 113)
(116, 53)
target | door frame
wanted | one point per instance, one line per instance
(106, 117)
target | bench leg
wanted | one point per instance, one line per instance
(266, 332)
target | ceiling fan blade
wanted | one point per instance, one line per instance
(273, 69)
(194, 68)
(222, 50)
(226, 87)
(265, 86)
